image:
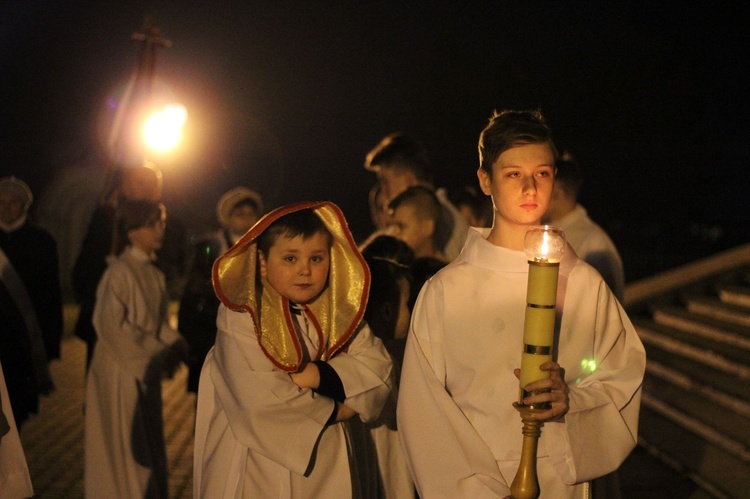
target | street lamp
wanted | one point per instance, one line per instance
(163, 128)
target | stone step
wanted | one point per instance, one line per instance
(719, 388)
(695, 413)
(744, 274)
(738, 295)
(676, 343)
(710, 335)
(717, 471)
(702, 415)
(718, 309)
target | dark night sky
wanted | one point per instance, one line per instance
(288, 97)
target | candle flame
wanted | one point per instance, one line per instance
(545, 245)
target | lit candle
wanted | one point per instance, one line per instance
(544, 246)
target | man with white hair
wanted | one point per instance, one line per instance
(30, 300)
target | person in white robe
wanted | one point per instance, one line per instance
(590, 242)
(125, 454)
(15, 481)
(459, 430)
(260, 431)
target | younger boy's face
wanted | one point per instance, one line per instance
(149, 237)
(521, 184)
(297, 268)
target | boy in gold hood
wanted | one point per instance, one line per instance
(293, 360)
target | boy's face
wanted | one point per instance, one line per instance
(521, 184)
(242, 218)
(395, 180)
(408, 226)
(11, 208)
(149, 237)
(297, 268)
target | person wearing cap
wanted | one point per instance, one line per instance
(237, 210)
(31, 316)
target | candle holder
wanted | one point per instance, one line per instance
(544, 246)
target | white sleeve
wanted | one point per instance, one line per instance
(135, 347)
(364, 369)
(601, 427)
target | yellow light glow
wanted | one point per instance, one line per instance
(588, 365)
(163, 128)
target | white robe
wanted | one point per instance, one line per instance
(461, 435)
(125, 455)
(15, 481)
(593, 245)
(395, 480)
(258, 435)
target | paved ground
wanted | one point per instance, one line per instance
(53, 440)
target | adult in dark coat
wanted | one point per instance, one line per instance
(31, 317)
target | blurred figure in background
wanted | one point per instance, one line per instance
(236, 211)
(31, 317)
(400, 162)
(388, 316)
(413, 217)
(378, 207)
(475, 208)
(125, 452)
(590, 242)
(143, 182)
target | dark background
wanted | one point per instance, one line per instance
(288, 97)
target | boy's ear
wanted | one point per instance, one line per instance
(428, 226)
(262, 264)
(484, 181)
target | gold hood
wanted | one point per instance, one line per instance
(335, 314)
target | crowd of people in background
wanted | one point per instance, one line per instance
(299, 380)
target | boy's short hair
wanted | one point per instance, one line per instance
(137, 213)
(303, 223)
(423, 199)
(508, 129)
(133, 214)
(389, 260)
(400, 151)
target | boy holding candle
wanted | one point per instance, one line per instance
(458, 427)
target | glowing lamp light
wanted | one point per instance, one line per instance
(544, 246)
(163, 128)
